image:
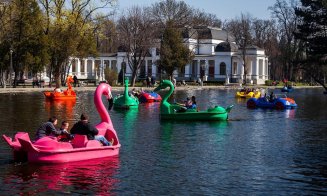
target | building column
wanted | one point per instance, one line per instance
(198, 69)
(78, 68)
(71, 66)
(228, 68)
(88, 72)
(102, 69)
(94, 71)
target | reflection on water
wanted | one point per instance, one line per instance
(64, 108)
(93, 176)
(255, 152)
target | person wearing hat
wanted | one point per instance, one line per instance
(84, 127)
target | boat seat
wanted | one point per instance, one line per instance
(81, 141)
(93, 143)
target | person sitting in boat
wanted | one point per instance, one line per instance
(188, 104)
(48, 129)
(193, 103)
(57, 90)
(135, 93)
(271, 97)
(84, 127)
(65, 135)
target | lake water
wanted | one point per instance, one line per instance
(256, 152)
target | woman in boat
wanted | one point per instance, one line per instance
(193, 103)
(48, 129)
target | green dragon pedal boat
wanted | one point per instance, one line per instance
(175, 112)
(125, 101)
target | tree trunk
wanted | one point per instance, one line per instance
(133, 78)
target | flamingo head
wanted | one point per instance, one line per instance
(107, 93)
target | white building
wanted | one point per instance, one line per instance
(217, 58)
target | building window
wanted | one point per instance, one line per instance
(202, 68)
(222, 69)
(97, 64)
(82, 66)
(211, 68)
(89, 68)
(260, 67)
(142, 71)
(194, 68)
(106, 64)
(74, 65)
(149, 67)
(181, 72)
(234, 68)
(114, 65)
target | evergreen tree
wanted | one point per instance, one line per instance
(312, 30)
(173, 53)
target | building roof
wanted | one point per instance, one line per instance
(204, 32)
(226, 47)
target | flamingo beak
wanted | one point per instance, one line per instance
(110, 100)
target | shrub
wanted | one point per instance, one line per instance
(111, 76)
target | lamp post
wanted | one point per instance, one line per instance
(11, 67)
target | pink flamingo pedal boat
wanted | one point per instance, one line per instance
(49, 150)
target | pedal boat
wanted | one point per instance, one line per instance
(126, 101)
(49, 150)
(172, 111)
(281, 102)
(149, 97)
(250, 94)
(68, 94)
(287, 89)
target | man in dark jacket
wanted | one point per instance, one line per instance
(83, 127)
(48, 129)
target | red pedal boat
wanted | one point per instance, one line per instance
(68, 94)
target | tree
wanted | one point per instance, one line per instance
(173, 53)
(136, 36)
(265, 35)
(312, 30)
(241, 30)
(288, 46)
(70, 30)
(5, 11)
(107, 41)
(176, 12)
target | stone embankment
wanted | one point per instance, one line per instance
(187, 87)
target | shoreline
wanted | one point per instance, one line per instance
(115, 88)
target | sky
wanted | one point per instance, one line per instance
(223, 9)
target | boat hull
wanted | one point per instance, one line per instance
(72, 156)
(199, 116)
(248, 95)
(49, 150)
(149, 97)
(59, 96)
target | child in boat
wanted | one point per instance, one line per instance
(65, 135)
